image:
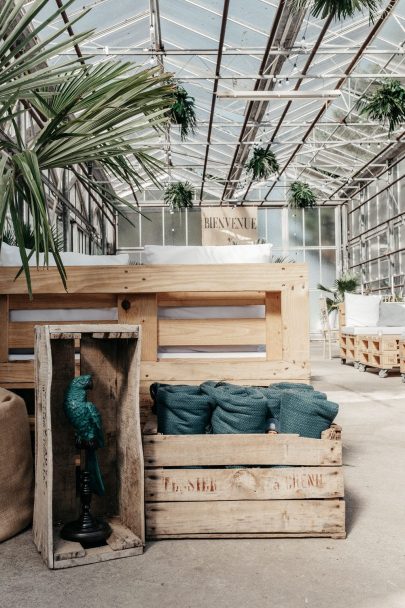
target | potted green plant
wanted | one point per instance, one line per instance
(98, 114)
(182, 112)
(301, 196)
(262, 164)
(348, 282)
(340, 9)
(179, 195)
(386, 104)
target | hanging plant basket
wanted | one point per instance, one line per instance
(301, 196)
(183, 113)
(387, 104)
(262, 164)
(340, 9)
(179, 195)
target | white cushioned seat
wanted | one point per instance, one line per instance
(207, 254)
(10, 256)
(372, 330)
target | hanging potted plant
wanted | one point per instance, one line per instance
(301, 196)
(387, 104)
(262, 164)
(179, 195)
(182, 112)
(340, 9)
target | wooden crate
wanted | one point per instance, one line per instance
(233, 489)
(380, 352)
(111, 353)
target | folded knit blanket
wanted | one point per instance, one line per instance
(182, 409)
(306, 413)
(237, 409)
(274, 393)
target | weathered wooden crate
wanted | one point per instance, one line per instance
(227, 486)
(111, 353)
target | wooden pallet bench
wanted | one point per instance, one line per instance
(380, 352)
(229, 486)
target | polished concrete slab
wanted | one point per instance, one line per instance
(367, 570)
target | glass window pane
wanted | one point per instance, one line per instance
(314, 267)
(152, 227)
(128, 233)
(175, 227)
(311, 218)
(274, 227)
(295, 231)
(328, 226)
(328, 257)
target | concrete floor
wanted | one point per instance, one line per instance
(367, 570)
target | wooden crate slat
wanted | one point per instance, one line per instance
(185, 370)
(155, 279)
(215, 450)
(311, 517)
(21, 333)
(179, 485)
(211, 332)
(63, 300)
(184, 299)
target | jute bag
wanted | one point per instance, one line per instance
(16, 472)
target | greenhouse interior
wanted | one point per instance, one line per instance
(202, 303)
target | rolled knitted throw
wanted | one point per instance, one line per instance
(182, 409)
(306, 413)
(274, 393)
(238, 409)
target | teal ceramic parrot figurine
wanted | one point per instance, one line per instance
(86, 420)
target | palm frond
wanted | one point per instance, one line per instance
(339, 9)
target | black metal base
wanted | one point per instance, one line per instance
(89, 534)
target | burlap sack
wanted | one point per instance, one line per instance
(16, 472)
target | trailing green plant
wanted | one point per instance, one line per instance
(182, 112)
(28, 237)
(301, 196)
(347, 282)
(100, 114)
(179, 195)
(262, 164)
(386, 104)
(340, 9)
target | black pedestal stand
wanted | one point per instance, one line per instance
(88, 530)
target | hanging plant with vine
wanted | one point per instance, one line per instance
(340, 9)
(179, 195)
(262, 164)
(386, 104)
(301, 196)
(183, 112)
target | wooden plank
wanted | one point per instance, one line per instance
(262, 535)
(156, 279)
(63, 300)
(122, 537)
(185, 298)
(65, 549)
(96, 555)
(295, 316)
(274, 327)
(4, 327)
(22, 332)
(141, 310)
(311, 517)
(180, 485)
(215, 450)
(211, 332)
(236, 370)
